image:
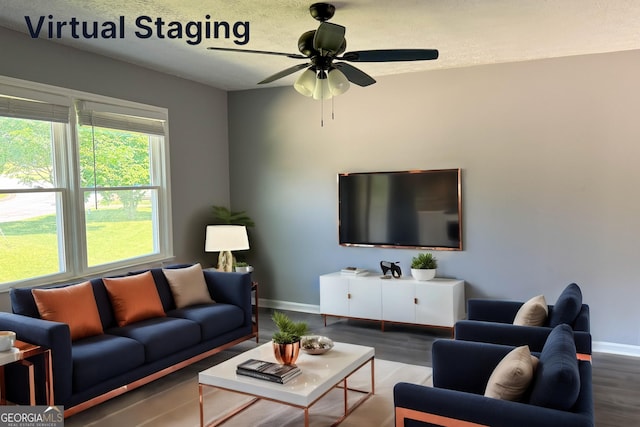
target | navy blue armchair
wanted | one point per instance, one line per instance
(461, 371)
(491, 321)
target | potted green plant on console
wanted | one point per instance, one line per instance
(423, 266)
(286, 340)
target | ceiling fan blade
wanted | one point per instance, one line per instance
(284, 73)
(264, 52)
(354, 75)
(390, 55)
(329, 37)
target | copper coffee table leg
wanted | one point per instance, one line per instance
(345, 388)
(201, 405)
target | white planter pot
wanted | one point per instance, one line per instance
(420, 274)
(247, 269)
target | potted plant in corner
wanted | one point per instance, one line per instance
(286, 340)
(225, 216)
(423, 266)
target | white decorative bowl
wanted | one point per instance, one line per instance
(315, 344)
(422, 274)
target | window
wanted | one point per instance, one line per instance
(83, 184)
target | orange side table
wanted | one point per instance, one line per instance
(20, 353)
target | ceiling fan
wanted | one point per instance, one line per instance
(326, 74)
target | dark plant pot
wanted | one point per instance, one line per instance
(286, 354)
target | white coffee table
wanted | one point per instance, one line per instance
(320, 374)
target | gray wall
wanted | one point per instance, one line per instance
(549, 152)
(197, 124)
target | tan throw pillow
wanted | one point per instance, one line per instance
(134, 298)
(532, 313)
(74, 305)
(511, 378)
(188, 285)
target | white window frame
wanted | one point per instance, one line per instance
(71, 223)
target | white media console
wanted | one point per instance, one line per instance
(438, 302)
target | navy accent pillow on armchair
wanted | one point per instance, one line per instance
(567, 306)
(557, 380)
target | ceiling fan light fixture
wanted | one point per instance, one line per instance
(321, 78)
(306, 83)
(338, 82)
(321, 90)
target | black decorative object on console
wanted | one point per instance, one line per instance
(387, 266)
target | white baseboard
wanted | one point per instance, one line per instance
(598, 346)
(290, 306)
(615, 348)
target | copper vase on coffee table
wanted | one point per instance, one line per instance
(286, 354)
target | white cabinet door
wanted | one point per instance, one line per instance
(398, 301)
(334, 295)
(435, 304)
(364, 301)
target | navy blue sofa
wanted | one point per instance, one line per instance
(560, 394)
(91, 370)
(491, 321)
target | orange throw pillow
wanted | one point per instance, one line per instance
(134, 298)
(74, 305)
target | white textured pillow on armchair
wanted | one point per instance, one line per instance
(188, 285)
(533, 312)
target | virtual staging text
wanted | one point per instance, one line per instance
(146, 27)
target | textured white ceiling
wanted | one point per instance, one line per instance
(466, 32)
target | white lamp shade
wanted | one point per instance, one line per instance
(338, 82)
(306, 83)
(226, 238)
(322, 89)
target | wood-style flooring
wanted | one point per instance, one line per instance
(616, 379)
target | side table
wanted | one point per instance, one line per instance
(20, 352)
(254, 308)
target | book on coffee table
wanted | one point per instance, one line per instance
(268, 371)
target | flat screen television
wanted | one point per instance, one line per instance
(407, 209)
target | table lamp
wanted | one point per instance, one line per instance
(224, 239)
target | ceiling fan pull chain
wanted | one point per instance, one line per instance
(333, 108)
(321, 112)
